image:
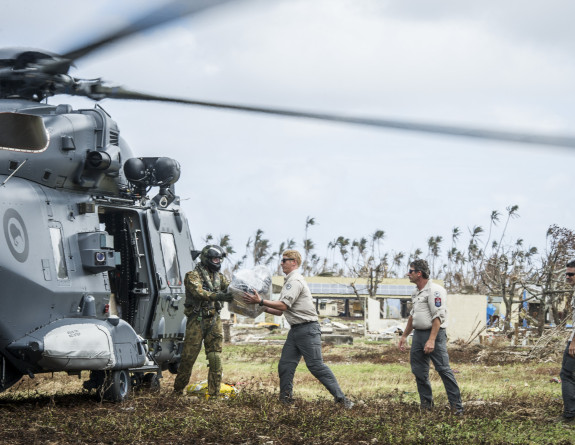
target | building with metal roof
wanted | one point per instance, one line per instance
(341, 287)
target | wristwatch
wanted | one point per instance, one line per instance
(261, 303)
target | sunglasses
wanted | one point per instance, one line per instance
(287, 259)
(570, 274)
(411, 271)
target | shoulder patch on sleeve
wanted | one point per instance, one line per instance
(437, 300)
(288, 286)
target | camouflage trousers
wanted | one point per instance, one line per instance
(210, 332)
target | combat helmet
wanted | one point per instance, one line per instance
(207, 257)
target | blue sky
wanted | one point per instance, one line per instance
(486, 64)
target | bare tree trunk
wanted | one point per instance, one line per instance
(508, 305)
(541, 318)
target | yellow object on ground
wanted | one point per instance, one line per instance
(270, 326)
(227, 391)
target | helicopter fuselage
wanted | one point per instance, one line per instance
(92, 270)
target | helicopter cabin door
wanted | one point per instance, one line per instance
(171, 246)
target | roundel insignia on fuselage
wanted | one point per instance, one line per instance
(16, 235)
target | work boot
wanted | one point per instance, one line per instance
(563, 419)
(456, 411)
(286, 399)
(426, 407)
(345, 402)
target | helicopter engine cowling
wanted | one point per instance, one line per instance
(62, 148)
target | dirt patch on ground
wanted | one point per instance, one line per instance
(464, 354)
(266, 344)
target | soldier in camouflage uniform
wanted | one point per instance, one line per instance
(206, 290)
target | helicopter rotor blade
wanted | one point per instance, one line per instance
(99, 92)
(163, 14)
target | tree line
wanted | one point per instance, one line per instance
(482, 262)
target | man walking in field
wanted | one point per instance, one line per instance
(568, 365)
(304, 337)
(428, 320)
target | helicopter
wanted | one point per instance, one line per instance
(93, 262)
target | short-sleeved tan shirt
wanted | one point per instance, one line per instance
(429, 303)
(297, 297)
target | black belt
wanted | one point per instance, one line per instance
(425, 330)
(301, 324)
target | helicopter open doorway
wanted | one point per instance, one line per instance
(149, 273)
(145, 291)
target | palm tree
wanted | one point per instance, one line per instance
(414, 255)
(226, 244)
(511, 213)
(261, 247)
(308, 245)
(208, 238)
(396, 264)
(376, 240)
(361, 247)
(342, 243)
(433, 244)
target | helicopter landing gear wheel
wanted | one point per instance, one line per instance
(151, 381)
(117, 385)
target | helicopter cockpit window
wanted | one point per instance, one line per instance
(58, 250)
(171, 259)
(23, 132)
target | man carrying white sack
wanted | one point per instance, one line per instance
(304, 337)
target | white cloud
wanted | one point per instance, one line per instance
(480, 63)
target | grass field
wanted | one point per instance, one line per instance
(507, 401)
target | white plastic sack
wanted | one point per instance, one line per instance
(249, 280)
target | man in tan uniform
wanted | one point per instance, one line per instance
(428, 320)
(304, 337)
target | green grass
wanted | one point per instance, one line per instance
(508, 403)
